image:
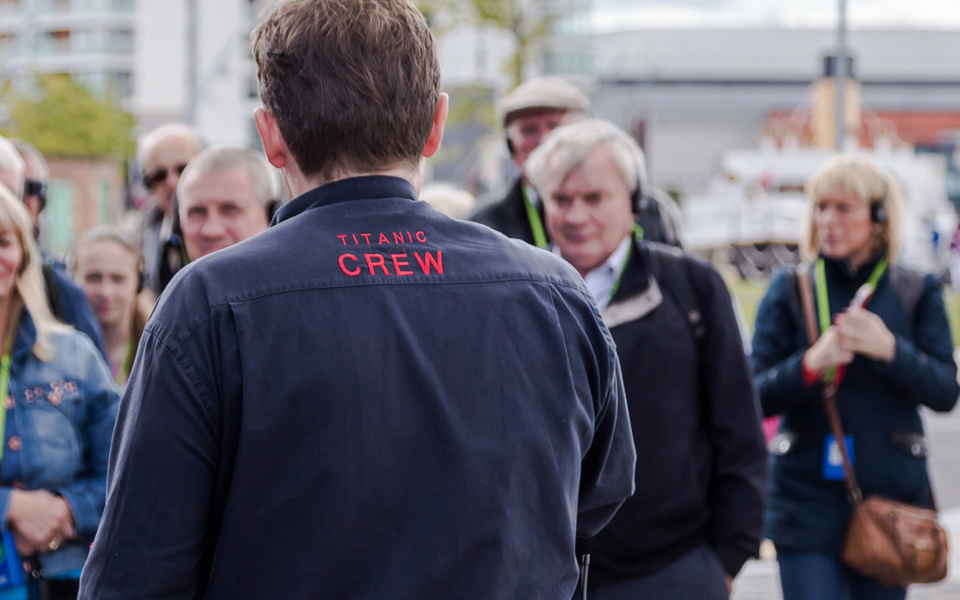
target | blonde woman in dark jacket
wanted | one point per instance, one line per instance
(897, 355)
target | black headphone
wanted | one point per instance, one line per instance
(272, 207)
(878, 206)
(636, 197)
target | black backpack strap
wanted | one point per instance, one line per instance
(53, 294)
(676, 277)
(908, 286)
(793, 281)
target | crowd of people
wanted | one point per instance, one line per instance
(356, 395)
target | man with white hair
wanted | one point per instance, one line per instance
(163, 154)
(701, 462)
(24, 171)
(225, 196)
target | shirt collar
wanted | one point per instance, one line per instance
(367, 187)
(529, 193)
(601, 279)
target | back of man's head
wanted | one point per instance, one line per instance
(11, 167)
(352, 84)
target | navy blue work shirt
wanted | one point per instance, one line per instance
(369, 400)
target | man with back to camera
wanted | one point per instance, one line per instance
(303, 419)
(701, 469)
(532, 110)
(163, 155)
(24, 171)
(225, 196)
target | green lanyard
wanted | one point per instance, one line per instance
(623, 269)
(4, 387)
(536, 224)
(125, 365)
(823, 302)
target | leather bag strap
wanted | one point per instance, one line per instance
(854, 495)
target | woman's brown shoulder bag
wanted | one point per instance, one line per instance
(893, 542)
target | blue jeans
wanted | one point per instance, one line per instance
(813, 576)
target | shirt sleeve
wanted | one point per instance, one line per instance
(85, 495)
(609, 466)
(739, 479)
(777, 361)
(152, 541)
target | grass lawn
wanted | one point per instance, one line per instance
(750, 295)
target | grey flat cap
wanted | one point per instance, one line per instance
(542, 93)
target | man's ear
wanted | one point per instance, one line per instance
(436, 130)
(274, 145)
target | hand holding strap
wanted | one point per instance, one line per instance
(854, 495)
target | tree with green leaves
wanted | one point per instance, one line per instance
(520, 18)
(62, 117)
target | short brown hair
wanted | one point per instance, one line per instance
(353, 84)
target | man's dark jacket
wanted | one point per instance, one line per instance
(701, 468)
(306, 417)
(509, 216)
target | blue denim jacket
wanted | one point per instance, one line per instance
(62, 415)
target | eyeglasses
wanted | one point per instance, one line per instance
(35, 188)
(152, 180)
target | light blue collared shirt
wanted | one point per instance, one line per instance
(601, 279)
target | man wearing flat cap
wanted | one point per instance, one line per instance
(535, 108)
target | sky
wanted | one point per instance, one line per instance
(614, 15)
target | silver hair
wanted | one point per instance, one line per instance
(569, 145)
(448, 199)
(11, 162)
(226, 158)
(150, 140)
(26, 149)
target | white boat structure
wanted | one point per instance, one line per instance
(754, 211)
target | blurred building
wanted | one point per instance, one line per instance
(169, 60)
(475, 62)
(93, 40)
(689, 95)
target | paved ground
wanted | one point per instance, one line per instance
(760, 579)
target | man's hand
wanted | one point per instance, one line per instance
(40, 520)
(863, 332)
